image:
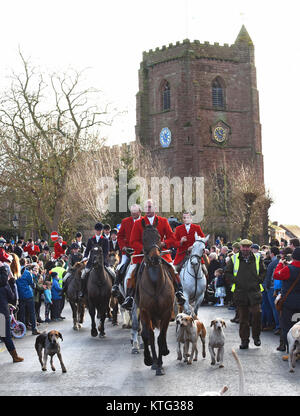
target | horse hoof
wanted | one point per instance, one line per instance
(160, 372)
(102, 335)
(148, 361)
(94, 332)
(154, 366)
(115, 323)
(165, 352)
(79, 326)
(135, 351)
(75, 328)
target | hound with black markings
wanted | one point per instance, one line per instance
(50, 344)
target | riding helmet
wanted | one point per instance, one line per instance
(98, 226)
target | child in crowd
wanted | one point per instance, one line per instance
(47, 300)
(220, 286)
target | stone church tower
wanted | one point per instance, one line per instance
(198, 109)
(197, 105)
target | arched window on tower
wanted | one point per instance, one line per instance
(218, 93)
(166, 96)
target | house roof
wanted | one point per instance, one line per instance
(294, 230)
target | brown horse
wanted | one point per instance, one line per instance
(155, 298)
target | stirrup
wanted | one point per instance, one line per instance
(127, 304)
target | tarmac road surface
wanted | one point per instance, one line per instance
(106, 367)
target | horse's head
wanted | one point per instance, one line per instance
(96, 255)
(151, 243)
(197, 250)
(113, 258)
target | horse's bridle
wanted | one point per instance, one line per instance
(152, 260)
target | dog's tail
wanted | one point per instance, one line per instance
(241, 374)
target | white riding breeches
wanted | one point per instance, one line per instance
(123, 261)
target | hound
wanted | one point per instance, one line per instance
(217, 340)
(190, 330)
(293, 338)
(50, 343)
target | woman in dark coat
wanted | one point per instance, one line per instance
(6, 297)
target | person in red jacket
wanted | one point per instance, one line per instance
(136, 242)
(59, 248)
(185, 238)
(123, 238)
(31, 248)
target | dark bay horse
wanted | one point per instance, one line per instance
(73, 289)
(155, 298)
(98, 290)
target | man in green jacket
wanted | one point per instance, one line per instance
(246, 272)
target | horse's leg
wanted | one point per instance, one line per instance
(81, 312)
(92, 311)
(198, 303)
(152, 345)
(115, 313)
(162, 345)
(145, 335)
(134, 331)
(102, 312)
(74, 313)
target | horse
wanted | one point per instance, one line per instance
(133, 321)
(155, 298)
(192, 276)
(98, 290)
(73, 289)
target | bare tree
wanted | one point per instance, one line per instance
(45, 123)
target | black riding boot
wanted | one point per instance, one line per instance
(179, 293)
(82, 287)
(115, 291)
(127, 304)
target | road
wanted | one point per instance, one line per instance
(106, 367)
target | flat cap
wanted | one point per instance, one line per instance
(246, 242)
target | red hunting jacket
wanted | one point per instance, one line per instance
(32, 250)
(59, 250)
(124, 233)
(165, 231)
(180, 232)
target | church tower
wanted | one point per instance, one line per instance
(198, 105)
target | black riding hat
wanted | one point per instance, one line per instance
(99, 226)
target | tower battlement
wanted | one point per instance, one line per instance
(205, 50)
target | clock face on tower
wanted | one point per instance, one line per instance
(165, 137)
(219, 134)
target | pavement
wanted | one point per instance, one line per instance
(106, 367)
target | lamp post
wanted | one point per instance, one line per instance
(15, 222)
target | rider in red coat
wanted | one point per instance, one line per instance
(31, 248)
(123, 238)
(59, 248)
(136, 242)
(185, 238)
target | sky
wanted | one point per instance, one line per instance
(109, 37)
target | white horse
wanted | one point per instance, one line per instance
(192, 276)
(133, 317)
